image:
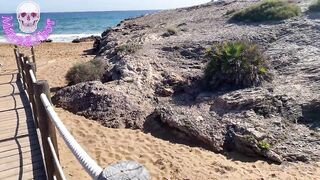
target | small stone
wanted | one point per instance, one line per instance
(164, 92)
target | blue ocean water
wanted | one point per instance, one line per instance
(71, 25)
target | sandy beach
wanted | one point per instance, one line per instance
(163, 159)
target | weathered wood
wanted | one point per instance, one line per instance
(27, 78)
(16, 54)
(46, 127)
(22, 64)
(125, 170)
(20, 154)
(33, 58)
(31, 66)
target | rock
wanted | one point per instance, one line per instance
(97, 101)
(164, 91)
(86, 39)
(76, 41)
(198, 127)
(273, 156)
(47, 41)
(248, 143)
(284, 112)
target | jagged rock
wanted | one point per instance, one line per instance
(281, 112)
(96, 101)
(47, 41)
(164, 91)
(202, 128)
(242, 140)
(86, 39)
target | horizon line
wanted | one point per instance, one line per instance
(92, 11)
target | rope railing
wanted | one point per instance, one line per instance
(33, 77)
(92, 168)
(47, 120)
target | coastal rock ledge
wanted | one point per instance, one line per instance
(154, 77)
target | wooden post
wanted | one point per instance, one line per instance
(30, 66)
(46, 127)
(33, 57)
(16, 54)
(22, 61)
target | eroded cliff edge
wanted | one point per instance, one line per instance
(154, 83)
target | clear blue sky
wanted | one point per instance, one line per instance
(9, 6)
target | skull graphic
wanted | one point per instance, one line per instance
(28, 15)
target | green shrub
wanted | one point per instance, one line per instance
(129, 48)
(264, 145)
(236, 65)
(88, 71)
(269, 10)
(315, 7)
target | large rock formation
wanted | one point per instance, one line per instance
(98, 101)
(157, 77)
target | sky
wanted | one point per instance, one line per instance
(9, 6)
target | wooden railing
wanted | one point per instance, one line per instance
(47, 121)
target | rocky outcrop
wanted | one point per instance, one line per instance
(86, 39)
(96, 101)
(160, 79)
(47, 41)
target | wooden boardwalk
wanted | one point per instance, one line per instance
(20, 153)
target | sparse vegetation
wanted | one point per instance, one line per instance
(229, 12)
(250, 138)
(315, 7)
(236, 65)
(264, 145)
(129, 48)
(269, 10)
(87, 71)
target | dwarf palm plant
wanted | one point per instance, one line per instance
(236, 65)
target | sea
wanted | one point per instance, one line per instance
(72, 25)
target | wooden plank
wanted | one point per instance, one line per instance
(5, 78)
(37, 174)
(14, 123)
(10, 105)
(17, 164)
(23, 127)
(23, 144)
(13, 112)
(25, 169)
(17, 157)
(13, 120)
(22, 139)
(20, 152)
(13, 134)
(8, 89)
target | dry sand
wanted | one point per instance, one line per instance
(164, 160)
